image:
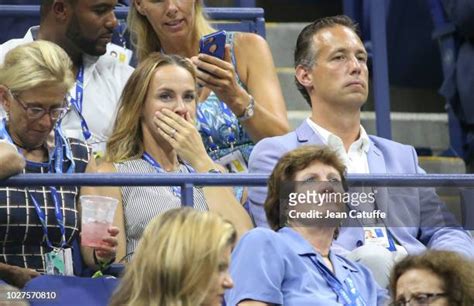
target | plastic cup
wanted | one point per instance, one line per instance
(97, 216)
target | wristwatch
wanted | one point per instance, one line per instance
(214, 170)
(249, 110)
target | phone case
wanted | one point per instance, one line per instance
(213, 44)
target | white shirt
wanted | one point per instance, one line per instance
(104, 79)
(355, 159)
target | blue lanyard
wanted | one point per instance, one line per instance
(58, 155)
(77, 102)
(176, 189)
(121, 29)
(57, 212)
(206, 127)
(351, 297)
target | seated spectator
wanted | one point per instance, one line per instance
(39, 224)
(83, 29)
(331, 73)
(181, 259)
(293, 264)
(433, 278)
(241, 101)
(155, 133)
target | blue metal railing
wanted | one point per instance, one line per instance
(121, 12)
(188, 181)
(247, 19)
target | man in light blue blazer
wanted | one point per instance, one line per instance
(332, 75)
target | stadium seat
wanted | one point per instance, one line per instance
(67, 290)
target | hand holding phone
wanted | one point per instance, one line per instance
(213, 44)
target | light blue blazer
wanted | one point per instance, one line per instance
(416, 217)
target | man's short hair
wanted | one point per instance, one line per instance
(305, 54)
(46, 7)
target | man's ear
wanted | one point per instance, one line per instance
(61, 9)
(4, 95)
(140, 6)
(304, 77)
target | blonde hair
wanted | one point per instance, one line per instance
(146, 41)
(39, 63)
(176, 257)
(126, 141)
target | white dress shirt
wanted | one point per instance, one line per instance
(355, 159)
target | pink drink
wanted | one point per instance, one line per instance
(97, 215)
(93, 233)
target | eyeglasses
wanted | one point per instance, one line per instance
(36, 112)
(419, 299)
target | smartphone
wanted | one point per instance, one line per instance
(213, 44)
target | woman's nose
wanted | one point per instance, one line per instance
(46, 121)
(325, 187)
(180, 107)
(171, 7)
(228, 282)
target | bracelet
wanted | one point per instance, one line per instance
(249, 111)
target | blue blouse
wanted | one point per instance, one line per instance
(278, 268)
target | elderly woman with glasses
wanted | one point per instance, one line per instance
(439, 278)
(39, 224)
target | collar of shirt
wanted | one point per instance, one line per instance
(303, 248)
(32, 33)
(357, 151)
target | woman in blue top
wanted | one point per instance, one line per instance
(241, 101)
(293, 264)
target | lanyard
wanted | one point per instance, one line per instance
(57, 212)
(351, 297)
(121, 29)
(58, 155)
(176, 189)
(206, 127)
(77, 102)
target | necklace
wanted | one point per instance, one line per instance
(40, 147)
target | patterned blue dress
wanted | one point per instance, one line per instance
(220, 127)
